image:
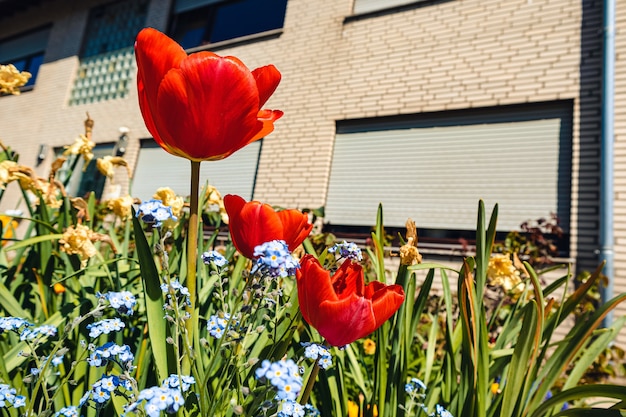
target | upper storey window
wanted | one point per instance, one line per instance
(26, 52)
(201, 22)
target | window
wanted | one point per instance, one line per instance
(26, 52)
(366, 6)
(200, 22)
(434, 168)
(107, 62)
(233, 175)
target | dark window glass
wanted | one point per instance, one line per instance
(227, 20)
(113, 26)
(26, 52)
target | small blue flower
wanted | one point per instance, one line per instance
(215, 257)
(216, 325)
(414, 385)
(105, 326)
(37, 332)
(174, 382)
(318, 353)
(123, 301)
(12, 324)
(71, 411)
(291, 408)
(275, 259)
(111, 352)
(8, 397)
(347, 250)
(154, 213)
(284, 375)
(158, 399)
(442, 412)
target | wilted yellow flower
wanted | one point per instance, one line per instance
(6, 173)
(121, 206)
(502, 273)
(369, 347)
(409, 255)
(81, 146)
(11, 79)
(78, 241)
(107, 165)
(169, 198)
(213, 202)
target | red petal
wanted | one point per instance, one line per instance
(386, 300)
(266, 123)
(314, 287)
(267, 79)
(156, 54)
(251, 224)
(344, 321)
(296, 227)
(211, 105)
(348, 280)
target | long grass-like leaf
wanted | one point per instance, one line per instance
(154, 302)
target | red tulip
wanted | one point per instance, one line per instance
(202, 106)
(254, 223)
(342, 307)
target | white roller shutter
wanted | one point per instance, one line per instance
(436, 174)
(157, 168)
(365, 6)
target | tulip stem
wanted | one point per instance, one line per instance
(192, 259)
(309, 383)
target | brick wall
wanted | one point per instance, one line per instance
(435, 56)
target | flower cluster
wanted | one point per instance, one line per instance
(275, 260)
(502, 273)
(8, 397)
(215, 258)
(216, 325)
(168, 397)
(102, 389)
(105, 326)
(347, 250)
(154, 213)
(11, 79)
(111, 352)
(318, 353)
(123, 302)
(176, 289)
(71, 411)
(283, 375)
(8, 324)
(25, 329)
(416, 390)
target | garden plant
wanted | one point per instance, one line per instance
(149, 308)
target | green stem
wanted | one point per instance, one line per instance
(192, 259)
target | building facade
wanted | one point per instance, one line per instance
(426, 106)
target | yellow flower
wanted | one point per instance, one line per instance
(58, 288)
(121, 206)
(78, 241)
(8, 227)
(502, 273)
(107, 165)
(169, 198)
(409, 255)
(81, 146)
(11, 79)
(213, 202)
(6, 173)
(353, 409)
(369, 347)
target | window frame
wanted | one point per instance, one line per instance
(28, 57)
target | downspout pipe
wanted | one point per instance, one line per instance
(607, 154)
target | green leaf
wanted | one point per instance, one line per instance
(151, 280)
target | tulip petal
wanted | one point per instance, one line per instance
(267, 119)
(296, 227)
(251, 224)
(314, 286)
(267, 79)
(386, 300)
(211, 105)
(344, 321)
(348, 280)
(156, 54)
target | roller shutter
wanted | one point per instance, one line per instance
(435, 171)
(157, 168)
